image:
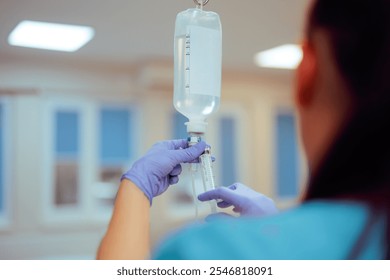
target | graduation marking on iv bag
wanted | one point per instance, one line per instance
(202, 61)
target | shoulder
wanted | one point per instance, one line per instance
(315, 230)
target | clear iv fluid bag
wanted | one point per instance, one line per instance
(197, 66)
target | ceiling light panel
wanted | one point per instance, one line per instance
(50, 36)
(283, 57)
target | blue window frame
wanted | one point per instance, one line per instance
(116, 141)
(228, 147)
(286, 156)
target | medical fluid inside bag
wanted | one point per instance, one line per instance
(197, 64)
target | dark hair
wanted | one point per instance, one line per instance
(357, 166)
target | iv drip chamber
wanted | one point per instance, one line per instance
(197, 66)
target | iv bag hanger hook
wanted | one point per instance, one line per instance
(201, 3)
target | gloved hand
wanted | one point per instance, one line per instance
(246, 201)
(160, 167)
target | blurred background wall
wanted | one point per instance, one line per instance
(70, 124)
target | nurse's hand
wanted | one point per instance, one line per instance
(160, 167)
(246, 201)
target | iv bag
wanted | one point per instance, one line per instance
(197, 66)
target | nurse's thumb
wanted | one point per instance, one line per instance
(190, 154)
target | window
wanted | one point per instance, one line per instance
(64, 160)
(67, 158)
(88, 148)
(115, 148)
(287, 157)
(117, 130)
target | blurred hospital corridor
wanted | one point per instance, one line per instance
(72, 122)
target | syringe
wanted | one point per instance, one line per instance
(207, 171)
(193, 167)
(205, 162)
(208, 175)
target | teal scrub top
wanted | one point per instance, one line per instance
(318, 230)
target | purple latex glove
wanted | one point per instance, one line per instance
(160, 167)
(246, 201)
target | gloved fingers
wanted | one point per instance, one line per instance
(224, 204)
(173, 180)
(209, 195)
(218, 193)
(197, 160)
(189, 154)
(178, 144)
(171, 144)
(176, 170)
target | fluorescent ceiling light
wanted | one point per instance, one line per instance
(50, 36)
(285, 57)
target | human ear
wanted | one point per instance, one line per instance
(306, 76)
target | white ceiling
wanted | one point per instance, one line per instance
(128, 31)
